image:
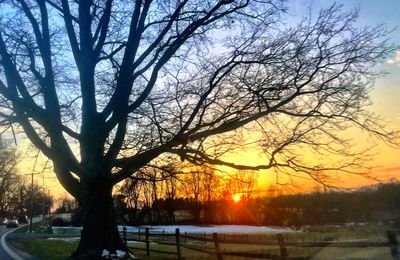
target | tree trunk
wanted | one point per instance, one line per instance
(100, 231)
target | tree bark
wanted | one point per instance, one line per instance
(100, 229)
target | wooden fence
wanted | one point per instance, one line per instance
(178, 241)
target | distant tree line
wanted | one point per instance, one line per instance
(369, 204)
(200, 194)
(17, 195)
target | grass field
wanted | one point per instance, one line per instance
(44, 248)
(60, 249)
(36, 227)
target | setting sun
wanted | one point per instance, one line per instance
(236, 198)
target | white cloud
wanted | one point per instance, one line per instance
(395, 59)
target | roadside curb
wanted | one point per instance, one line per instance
(6, 248)
(10, 250)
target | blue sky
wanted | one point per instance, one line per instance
(372, 12)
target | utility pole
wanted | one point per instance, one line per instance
(43, 195)
(31, 211)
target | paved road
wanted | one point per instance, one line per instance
(3, 254)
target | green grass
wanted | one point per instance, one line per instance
(44, 248)
(37, 227)
(186, 253)
(58, 249)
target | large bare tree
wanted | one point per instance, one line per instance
(103, 88)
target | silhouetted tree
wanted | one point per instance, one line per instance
(9, 178)
(67, 205)
(127, 82)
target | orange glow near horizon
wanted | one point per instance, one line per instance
(236, 198)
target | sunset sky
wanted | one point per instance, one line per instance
(385, 97)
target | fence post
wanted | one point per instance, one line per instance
(185, 237)
(178, 244)
(281, 243)
(124, 235)
(217, 248)
(394, 244)
(139, 235)
(147, 242)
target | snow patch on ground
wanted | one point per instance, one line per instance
(223, 229)
(66, 239)
(189, 229)
(118, 255)
(66, 230)
(105, 253)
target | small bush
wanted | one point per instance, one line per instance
(59, 222)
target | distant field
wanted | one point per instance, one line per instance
(44, 248)
(311, 253)
(209, 229)
(60, 247)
